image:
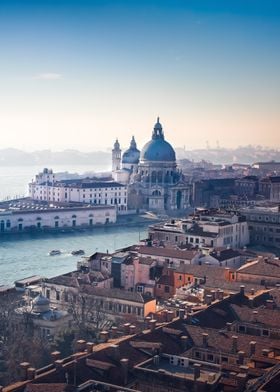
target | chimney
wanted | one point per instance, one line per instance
(241, 356)
(252, 350)
(205, 339)
(251, 302)
(265, 352)
(234, 340)
(252, 291)
(89, 347)
(220, 294)
(80, 345)
(164, 315)
(196, 370)
(115, 351)
(213, 294)
(208, 299)
(31, 372)
(104, 336)
(184, 342)
(182, 314)
(126, 328)
(114, 332)
(228, 325)
(124, 364)
(147, 322)
(23, 370)
(55, 355)
(132, 329)
(59, 363)
(170, 315)
(242, 289)
(153, 324)
(156, 359)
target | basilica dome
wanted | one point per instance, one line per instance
(158, 149)
(131, 156)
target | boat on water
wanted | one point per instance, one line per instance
(77, 252)
(55, 252)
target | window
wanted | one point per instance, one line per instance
(48, 293)
(166, 289)
(210, 357)
(265, 332)
(241, 328)
(58, 296)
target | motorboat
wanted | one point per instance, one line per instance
(55, 252)
(78, 252)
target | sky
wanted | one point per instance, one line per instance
(79, 73)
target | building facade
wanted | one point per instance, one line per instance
(46, 188)
(153, 179)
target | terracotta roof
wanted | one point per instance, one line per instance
(263, 266)
(200, 271)
(261, 316)
(64, 280)
(113, 293)
(50, 388)
(222, 340)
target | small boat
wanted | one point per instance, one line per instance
(54, 252)
(77, 252)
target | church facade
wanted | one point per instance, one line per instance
(152, 177)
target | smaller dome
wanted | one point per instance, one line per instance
(40, 304)
(131, 155)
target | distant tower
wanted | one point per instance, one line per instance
(116, 156)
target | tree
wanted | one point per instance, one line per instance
(89, 317)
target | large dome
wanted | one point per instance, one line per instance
(131, 155)
(158, 149)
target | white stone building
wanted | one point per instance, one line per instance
(27, 215)
(47, 188)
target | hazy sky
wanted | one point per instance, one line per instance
(78, 74)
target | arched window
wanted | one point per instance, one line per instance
(20, 220)
(56, 217)
(74, 216)
(38, 218)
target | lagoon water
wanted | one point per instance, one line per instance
(24, 255)
(27, 254)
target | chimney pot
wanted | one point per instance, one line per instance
(241, 356)
(114, 331)
(252, 348)
(153, 324)
(126, 328)
(104, 336)
(89, 346)
(205, 339)
(132, 329)
(234, 344)
(24, 366)
(196, 369)
(31, 372)
(55, 355)
(182, 313)
(242, 289)
(80, 345)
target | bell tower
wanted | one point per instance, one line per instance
(116, 156)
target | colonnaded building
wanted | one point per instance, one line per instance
(152, 177)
